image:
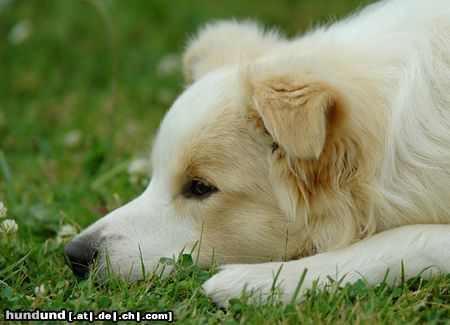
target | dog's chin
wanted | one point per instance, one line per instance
(104, 270)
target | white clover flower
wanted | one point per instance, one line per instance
(139, 171)
(39, 290)
(73, 138)
(21, 31)
(9, 226)
(3, 210)
(139, 167)
(168, 65)
(66, 233)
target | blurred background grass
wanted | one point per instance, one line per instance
(84, 85)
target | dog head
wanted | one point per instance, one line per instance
(236, 162)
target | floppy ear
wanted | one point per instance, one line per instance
(296, 112)
(225, 43)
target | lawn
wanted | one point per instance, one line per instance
(83, 87)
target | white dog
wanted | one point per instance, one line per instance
(331, 150)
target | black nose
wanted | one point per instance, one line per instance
(81, 254)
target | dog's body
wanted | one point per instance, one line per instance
(283, 149)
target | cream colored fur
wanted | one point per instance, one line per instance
(318, 146)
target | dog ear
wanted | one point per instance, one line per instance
(296, 112)
(225, 43)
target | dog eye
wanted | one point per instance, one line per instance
(199, 189)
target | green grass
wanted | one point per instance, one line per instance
(94, 69)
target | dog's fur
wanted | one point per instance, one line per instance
(318, 146)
